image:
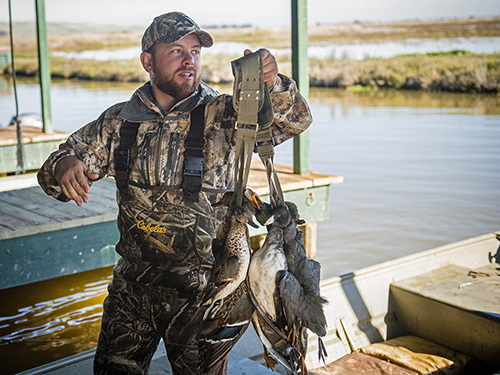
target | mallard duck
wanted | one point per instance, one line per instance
(284, 285)
(225, 310)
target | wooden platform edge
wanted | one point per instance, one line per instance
(58, 226)
(22, 181)
(31, 134)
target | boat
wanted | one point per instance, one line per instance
(432, 312)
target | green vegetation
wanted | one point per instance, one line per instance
(454, 71)
(463, 72)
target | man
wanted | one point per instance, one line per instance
(165, 234)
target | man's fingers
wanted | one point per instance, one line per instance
(82, 183)
(92, 175)
(69, 191)
(81, 186)
(71, 175)
(265, 54)
(269, 66)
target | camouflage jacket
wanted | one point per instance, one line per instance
(159, 230)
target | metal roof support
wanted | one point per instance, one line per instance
(300, 73)
(43, 65)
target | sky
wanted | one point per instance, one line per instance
(262, 13)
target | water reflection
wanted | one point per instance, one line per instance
(58, 317)
(439, 102)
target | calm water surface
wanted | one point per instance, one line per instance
(420, 170)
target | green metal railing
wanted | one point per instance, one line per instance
(300, 73)
(43, 65)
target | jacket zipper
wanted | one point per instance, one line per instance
(173, 146)
(158, 154)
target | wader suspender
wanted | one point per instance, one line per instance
(128, 134)
(193, 156)
(193, 164)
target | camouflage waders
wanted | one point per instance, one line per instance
(165, 241)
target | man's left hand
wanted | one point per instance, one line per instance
(269, 65)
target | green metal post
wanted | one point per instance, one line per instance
(300, 73)
(43, 65)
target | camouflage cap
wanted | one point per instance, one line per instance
(170, 27)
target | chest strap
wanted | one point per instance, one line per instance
(193, 156)
(123, 153)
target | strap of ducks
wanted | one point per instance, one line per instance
(255, 116)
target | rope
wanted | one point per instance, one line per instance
(20, 169)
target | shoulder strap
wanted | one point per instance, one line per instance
(193, 156)
(128, 135)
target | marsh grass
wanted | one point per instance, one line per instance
(457, 71)
(466, 72)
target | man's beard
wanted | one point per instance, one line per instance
(168, 85)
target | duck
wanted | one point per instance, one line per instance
(225, 308)
(284, 286)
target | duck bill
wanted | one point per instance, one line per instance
(254, 199)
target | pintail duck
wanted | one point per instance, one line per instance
(284, 285)
(226, 309)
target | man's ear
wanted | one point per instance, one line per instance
(147, 62)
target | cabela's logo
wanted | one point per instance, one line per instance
(148, 227)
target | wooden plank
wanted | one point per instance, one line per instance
(105, 187)
(257, 179)
(28, 231)
(32, 202)
(33, 207)
(98, 211)
(31, 134)
(66, 207)
(25, 218)
(22, 181)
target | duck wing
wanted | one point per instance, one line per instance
(219, 334)
(301, 308)
(301, 286)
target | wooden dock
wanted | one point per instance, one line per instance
(37, 147)
(42, 238)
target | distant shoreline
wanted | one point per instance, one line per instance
(455, 71)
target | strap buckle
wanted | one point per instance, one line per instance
(193, 166)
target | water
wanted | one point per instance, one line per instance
(421, 170)
(51, 319)
(351, 51)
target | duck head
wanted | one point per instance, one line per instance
(251, 205)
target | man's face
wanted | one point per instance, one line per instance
(177, 66)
